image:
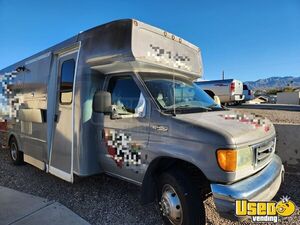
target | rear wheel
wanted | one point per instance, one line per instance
(15, 154)
(180, 202)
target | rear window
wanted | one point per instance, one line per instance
(245, 87)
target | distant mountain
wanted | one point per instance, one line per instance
(274, 82)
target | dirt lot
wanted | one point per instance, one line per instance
(104, 200)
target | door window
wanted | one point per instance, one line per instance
(66, 83)
(127, 98)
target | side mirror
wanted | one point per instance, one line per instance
(102, 102)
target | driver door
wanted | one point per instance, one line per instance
(126, 131)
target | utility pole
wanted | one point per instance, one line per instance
(223, 75)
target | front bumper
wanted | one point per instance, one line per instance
(261, 186)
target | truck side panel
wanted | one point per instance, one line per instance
(32, 114)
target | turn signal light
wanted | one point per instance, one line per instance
(227, 159)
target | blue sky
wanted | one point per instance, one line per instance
(248, 39)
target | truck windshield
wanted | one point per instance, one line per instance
(174, 93)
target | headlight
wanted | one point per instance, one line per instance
(231, 160)
(245, 158)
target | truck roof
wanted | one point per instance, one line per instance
(137, 45)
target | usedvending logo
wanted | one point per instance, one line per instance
(265, 211)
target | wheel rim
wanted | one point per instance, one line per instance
(13, 151)
(170, 205)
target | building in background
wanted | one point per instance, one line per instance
(292, 98)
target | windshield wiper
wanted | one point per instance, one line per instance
(194, 107)
(186, 108)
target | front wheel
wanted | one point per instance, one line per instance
(15, 154)
(180, 202)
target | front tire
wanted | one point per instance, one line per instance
(15, 154)
(180, 201)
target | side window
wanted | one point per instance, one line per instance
(127, 98)
(66, 81)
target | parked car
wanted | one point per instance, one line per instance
(119, 99)
(228, 90)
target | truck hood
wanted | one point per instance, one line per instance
(242, 128)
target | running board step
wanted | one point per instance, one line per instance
(35, 162)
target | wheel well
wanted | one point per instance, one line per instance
(160, 165)
(210, 93)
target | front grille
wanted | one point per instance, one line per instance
(263, 151)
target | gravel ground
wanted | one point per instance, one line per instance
(105, 200)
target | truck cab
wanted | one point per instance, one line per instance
(194, 146)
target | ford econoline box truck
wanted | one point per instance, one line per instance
(119, 99)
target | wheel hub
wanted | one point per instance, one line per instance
(170, 205)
